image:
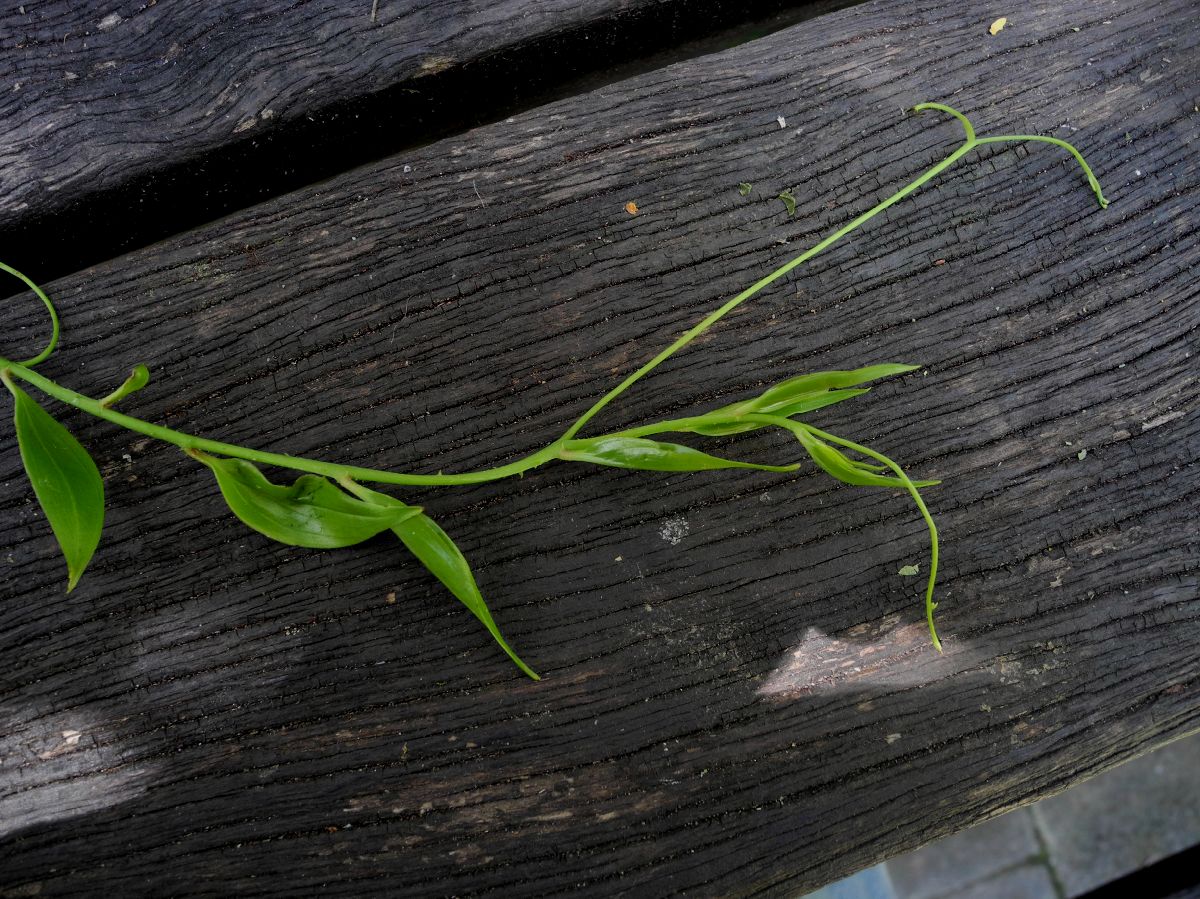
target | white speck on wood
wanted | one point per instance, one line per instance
(112, 20)
(70, 739)
(673, 530)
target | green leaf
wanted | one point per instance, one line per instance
(437, 552)
(724, 421)
(793, 389)
(64, 478)
(909, 570)
(796, 396)
(650, 455)
(313, 512)
(789, 201)
(744, 188)
(837, 465)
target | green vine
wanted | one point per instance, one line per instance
(328, 506)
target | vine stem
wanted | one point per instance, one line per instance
(24, 371)
(970, 143)
(296, 463)
(930, 605)
(799, 427)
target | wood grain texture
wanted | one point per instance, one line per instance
(127, 122)
(98, 93)
(752, 709)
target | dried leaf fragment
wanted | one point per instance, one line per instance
(631, 208)
(997, 26)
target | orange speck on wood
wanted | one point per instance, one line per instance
(631, 207)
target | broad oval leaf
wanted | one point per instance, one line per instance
(313, 512)
(434, 549)
(64, 478)
(651, 455)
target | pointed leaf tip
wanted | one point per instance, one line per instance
(434, 549)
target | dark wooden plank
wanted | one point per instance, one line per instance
(98, 93)
(753, 709)
(165, 116)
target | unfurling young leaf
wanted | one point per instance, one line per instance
(313, 512)
(65, 480)
(437, 552)
(651, 455)
(138, 378)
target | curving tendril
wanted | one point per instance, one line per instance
(941, 107)
(54, 328)
(1087, 169)
(973, 141)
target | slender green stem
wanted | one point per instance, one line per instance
(970, 143)
(679, 425)
(296, 463)
(930, 605)
(54, 327)
(800, 428)
(1087, 169)
(717, 314)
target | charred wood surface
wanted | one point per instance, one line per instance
(739, 695)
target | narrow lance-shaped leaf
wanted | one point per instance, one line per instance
(795, 396)
(651, 455)
(838, 465)
(787, 392)
(64, 478)
(725, 421)
(313, 512)
(434, 549)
